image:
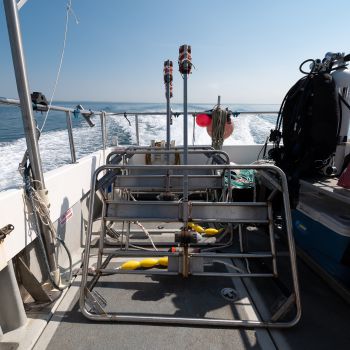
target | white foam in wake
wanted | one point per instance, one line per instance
(54, 145)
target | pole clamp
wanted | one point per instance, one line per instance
(5, 231)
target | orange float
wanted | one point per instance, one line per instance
(227, 132)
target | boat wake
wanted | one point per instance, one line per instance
(54, 144)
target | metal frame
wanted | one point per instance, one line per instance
(86, 291)
(131, 151)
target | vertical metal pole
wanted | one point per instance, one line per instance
(168, 119)
(272, 238)
(19, 65)
(70, 137)
(168, 77)
(137, 129)
(219, 100)
(185, 182)
(241, 243)
(103, 130)
(185, 125)
(185, 158)
(106, 130)
(184, 67)
(30, 132)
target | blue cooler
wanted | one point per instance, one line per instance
(322, 229)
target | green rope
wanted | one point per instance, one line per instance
(244, 178)
(219, 118)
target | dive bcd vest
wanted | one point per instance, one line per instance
(310, 120)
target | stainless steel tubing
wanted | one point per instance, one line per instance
(232, 274)
(181, 113)
(261, 255)
(272, 239)
(198, 321)
(139, 272)
(88, 241)
(70, 137)
(197, 274)
(131, 253)
(240, 233)
(103, 135)
(185, 149)
(14, 102)
(168, 119)
(291, 244)
(102, 235)
(30, 132)
(192, 167)
(137, 129)
(212, 322)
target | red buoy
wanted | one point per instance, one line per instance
(203, 120)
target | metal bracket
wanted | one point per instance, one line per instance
(31, 284)
(95, 301)
(5, 231)
(284, 308)
(270, 181)
(20, 4)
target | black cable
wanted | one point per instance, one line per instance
(263, 148)
(70, 260)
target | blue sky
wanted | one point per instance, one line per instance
(246, 51)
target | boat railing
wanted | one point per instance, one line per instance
(89, 113)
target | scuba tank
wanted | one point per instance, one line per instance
(341, 77)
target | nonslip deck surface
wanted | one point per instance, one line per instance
(196, 297)
(324, 324)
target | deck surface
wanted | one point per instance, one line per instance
(157, 296)
(324, 324)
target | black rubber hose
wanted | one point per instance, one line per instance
(306, 61)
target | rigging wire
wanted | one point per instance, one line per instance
(69, 11)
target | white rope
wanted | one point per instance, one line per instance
(143, 228)
(68, 11)
(138, 223)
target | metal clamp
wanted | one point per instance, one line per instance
(5, 231)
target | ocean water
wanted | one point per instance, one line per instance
(54, 146)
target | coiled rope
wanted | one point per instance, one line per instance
(219, 119)
(41, 212)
